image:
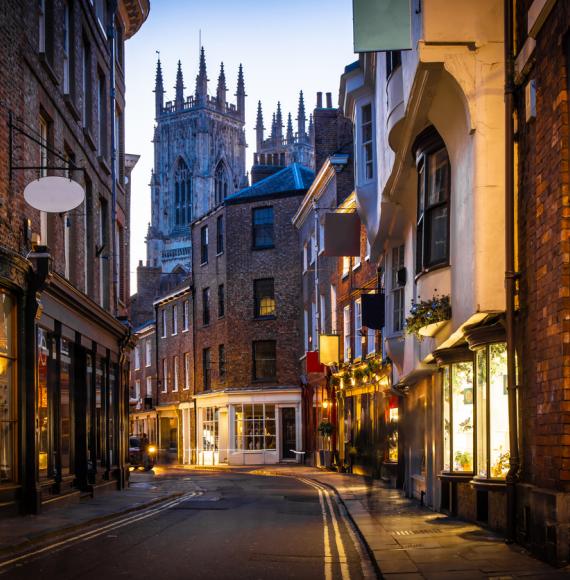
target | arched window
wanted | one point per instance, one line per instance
(182, 194)
(220, 184)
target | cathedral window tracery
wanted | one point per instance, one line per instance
(182, 194)
(220, 183)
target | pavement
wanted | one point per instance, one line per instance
(405, 540)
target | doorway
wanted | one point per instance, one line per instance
(288, 433)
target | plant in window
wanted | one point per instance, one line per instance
(425, 313)
(501, 465)
(464, 459)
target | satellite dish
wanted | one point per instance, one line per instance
(54, 194)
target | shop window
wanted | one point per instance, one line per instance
(392, 429)
(262, 233)
(210, 429)
(65, 367)
(7, 407)
(432, 228)
(492, 411)
(264, 360)
(264, 298)
(458, 417)
(254, 427)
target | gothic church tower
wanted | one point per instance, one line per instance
(199, 159)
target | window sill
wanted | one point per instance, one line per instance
(264, 380)
(357, 267)
(260, 248)
(489, 484)
(345, 276)
(431, 269)
(174, 334)
(220, 254)
(203, 263)
(185, 330)
(456, 476)
(270, 317)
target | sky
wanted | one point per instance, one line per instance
(285, 46)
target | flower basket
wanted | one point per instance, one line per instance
(427, 317)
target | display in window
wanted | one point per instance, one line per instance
(43, 401)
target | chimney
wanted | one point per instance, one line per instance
(329, 100)
(319, 100)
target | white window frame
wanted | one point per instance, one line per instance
(397, 293)
(163, 321)
(42, 26)
(367, 256)
(137, 389)
(66, 48)
(175, 374)
(334, 320)
(149, 386)
(346, 333)
(305, 257)
(357, 328)
(137, 358)
(186, 371)
(362, 144)
(356, 263)
(164, 375)
(148, 352)
(321, 235)
(185, 316)
(174, 319)
(371, 341)
(345, 266)
(313, 248)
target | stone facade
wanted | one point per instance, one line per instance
(199, 159)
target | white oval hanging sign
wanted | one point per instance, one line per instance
(54, 194)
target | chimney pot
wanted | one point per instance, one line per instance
(329, 100)
(319, 100)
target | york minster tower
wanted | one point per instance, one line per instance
(199, 159)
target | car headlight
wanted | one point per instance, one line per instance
(152, 449)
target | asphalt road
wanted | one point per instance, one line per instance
(228, 525)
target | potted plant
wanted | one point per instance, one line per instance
(427, 317)
(464, 459)
(358, 374)
(325, 429)
(335, 382)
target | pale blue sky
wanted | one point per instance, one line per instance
(284, 46)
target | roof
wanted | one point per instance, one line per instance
(294, 179)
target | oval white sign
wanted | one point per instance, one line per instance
(54, 194)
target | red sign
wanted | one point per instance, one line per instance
(313, 364)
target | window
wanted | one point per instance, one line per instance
(163, 321)
(397, 291)
(66, 47)
(358, 328)
(103, 252)
(493, 448)
(263, 228)
(367, 149)
(220, 184)
(137, 389)
(264, 298)
(205, 306)
(149, 386)
(182, 194)
(186, 371)
(220, 234)
(174, 319)
(204, 245)
(148, 352)
(206, 370)
(346, 333)
(333, 310)
(371, 341)
(432, 230)
(322, 313)
(305, 256)
(117, 145)
(185, 315)
(101, 12)
(367, 255)
(42, 26)
(222, 362)
(102, 114)
(175, 365)
(210, 427)
(322, 235)
(264, 367)
(164, 375)
(313, 249)
(254, 427)
(458, 418)
(345, 266)
(86, 83)
(221, 301)
(137, 358)
(8, 414)
(356, 263)
(393, 61)
(313, 326)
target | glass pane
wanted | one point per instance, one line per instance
(6, 307)
(437, 234)
(421, 191)
(6, 420)
(499, 427)
(43, 402)
(65, 404)
(238, 427)
(482, 408)
(438, 177)
(462, 401)
(446, 420)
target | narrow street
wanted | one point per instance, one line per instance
(227, 525)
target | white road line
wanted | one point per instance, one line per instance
(89, 535)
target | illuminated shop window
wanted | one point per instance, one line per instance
(458, 417)
(254, 427)
(210, 429)
(392, 429)
(7, 399)
(43, 402)
(492, 412)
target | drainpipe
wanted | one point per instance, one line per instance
(114, 153)
(510, 274)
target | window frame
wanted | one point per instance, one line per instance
(257, 298)
(185, 316)
(186, 386)
(174, 319)
(255, 375)
(346, 323)
(357, 355)
(222, 362)
(254, 228)
(206, 306)
(207, 368)
(220, 235)
(397, 292)
(147, 353)
(221, 300)
(365, 162)
(204, 242)
(175, 374)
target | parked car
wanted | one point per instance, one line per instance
(141, 454)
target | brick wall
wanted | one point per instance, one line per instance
(544, 234)
(333, 133)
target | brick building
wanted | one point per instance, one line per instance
(542, 75)
(64, 277)
(247, 328)
(175, 374)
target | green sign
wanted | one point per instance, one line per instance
(381, 25)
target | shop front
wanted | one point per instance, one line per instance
(168, 433)
(248, 426)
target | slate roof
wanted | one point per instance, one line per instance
(294, 179)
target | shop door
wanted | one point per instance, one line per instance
(288, 433)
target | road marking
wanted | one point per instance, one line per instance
(328, 553)
(89, 535)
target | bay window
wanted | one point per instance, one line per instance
(458, 417)
(492, 411)
(432, 227)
